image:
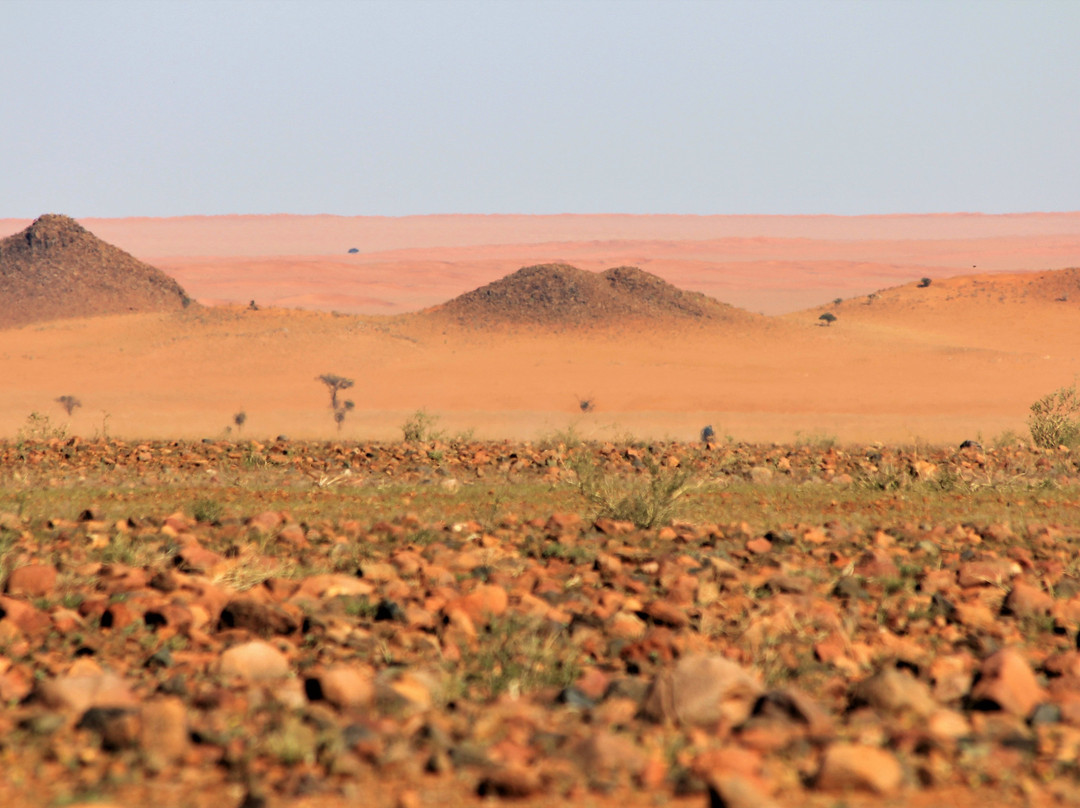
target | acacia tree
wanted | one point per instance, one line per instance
(828, 317)
(69, 403)
(335, 384)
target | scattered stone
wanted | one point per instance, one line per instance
(864, 768)
(253, 661)
(31, 581)
(1006, 682)
(702, 691)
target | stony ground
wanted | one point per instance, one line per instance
(433, 623)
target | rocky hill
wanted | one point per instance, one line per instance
(562, 295)
(56, 268)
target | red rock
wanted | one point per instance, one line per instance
(332, 585)
(950, 676)
(26, 618)
(259, 618)
(346, 686)
(877, 563)
(511, 781)
(480, 605)
(759, 546)
(1007, 682)
(32, 581)
(702, 691)
(991, 572)
(1025, 600)
(854, 766)
(15, 684)
(892, 690)
(626, 626)
(253, 661)
(78, 693)
(739, 791)
(119, 615)
(667, 614)
(606, 753)
(163, 732)
(195, 558)
(266, 522)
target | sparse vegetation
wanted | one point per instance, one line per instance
(1055, 419)
(69, 403)
(39, 427)
(924, 282)
(646, 501)
(586, 404)
(207, 510)
(420, 427)
(335, 384)
(239, 419)
(828, 318)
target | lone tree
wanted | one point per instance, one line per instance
(69, 403)
(240, 419)
(828, 317)
(923, 283)
(336, 384)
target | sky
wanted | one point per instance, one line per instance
(111, 108)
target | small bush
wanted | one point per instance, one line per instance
(207, 510)
(420, 427)
(1055, 419)
(924, 282)
(39, 426)
(647, 502)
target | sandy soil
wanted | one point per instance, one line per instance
(941, 364)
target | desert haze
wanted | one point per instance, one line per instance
(964, 356)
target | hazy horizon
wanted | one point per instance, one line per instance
(119, 108)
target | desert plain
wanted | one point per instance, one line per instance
(519, 599)
(963, 356)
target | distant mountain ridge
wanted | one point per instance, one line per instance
(56, 269)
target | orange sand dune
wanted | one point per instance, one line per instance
(896, 378)
(772, 264)
(943, 363)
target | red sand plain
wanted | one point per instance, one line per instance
(965, 356)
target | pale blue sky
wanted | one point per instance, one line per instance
(148, 108)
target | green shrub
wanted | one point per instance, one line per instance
(39, 427)
(1055, 419)
(645, 501)
(420, 426)
(207, 510)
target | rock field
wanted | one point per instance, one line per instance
(446, 623)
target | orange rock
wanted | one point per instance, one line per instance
(866, 768)
(77, 694)
(345, 686)
(1006, 682)
(32, 580)
(253, 661)
(163, 732)
(1025, 600)
(702, 691)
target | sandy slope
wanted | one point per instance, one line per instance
(944, 363)
(941, 373)
(772, 264)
